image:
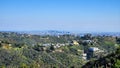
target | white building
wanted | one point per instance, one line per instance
(93, 49)
(84, 56)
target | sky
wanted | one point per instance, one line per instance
(63, 15)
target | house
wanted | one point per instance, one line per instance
(84, 56)
(87, 41)
(75, 42)
(47, 44)
(94, 52)
(93, 49)
(6, 46)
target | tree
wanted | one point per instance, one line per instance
(52, 47)
(117, 64)
(23, 66)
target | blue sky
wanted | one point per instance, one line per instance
(67, 15)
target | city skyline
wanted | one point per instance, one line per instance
(63, 15)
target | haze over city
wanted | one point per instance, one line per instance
(63, 15)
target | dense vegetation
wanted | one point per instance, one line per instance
(110, 61)
(63, 51)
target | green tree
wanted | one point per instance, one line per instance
(117, 64)
(23, 65)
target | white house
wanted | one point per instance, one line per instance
(93, 49)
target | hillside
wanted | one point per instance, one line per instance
(110, 61)
(63, 51)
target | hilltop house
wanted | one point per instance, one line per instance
(94, 52)
(75, 42)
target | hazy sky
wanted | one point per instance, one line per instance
(68, 15)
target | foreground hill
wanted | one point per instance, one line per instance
(110, 61)
(62, 51)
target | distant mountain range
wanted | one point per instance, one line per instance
(57, 32)
(47, 32)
